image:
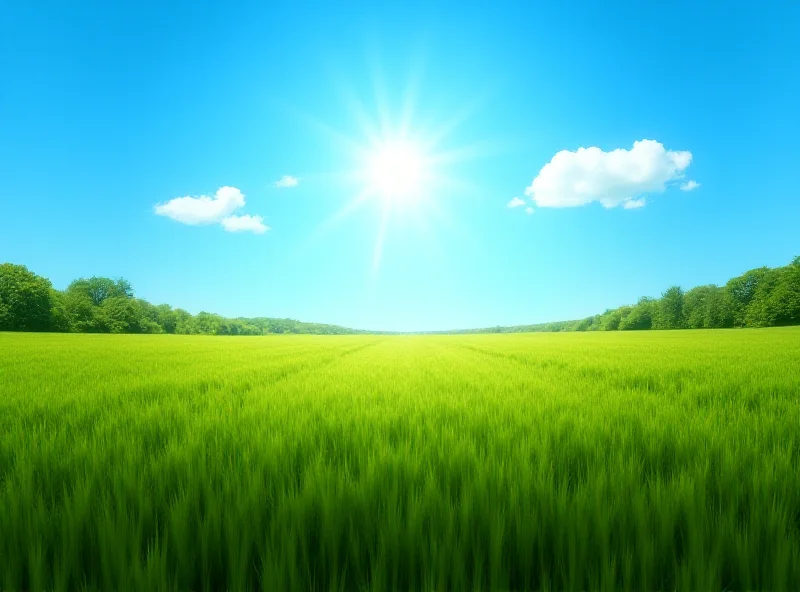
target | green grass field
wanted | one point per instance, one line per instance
(653, 460)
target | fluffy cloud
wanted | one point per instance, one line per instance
(529, 210)
(690, 185)
(516, 202)
(287, 181)
(612, 178)
(204, 210)
(245, 223)
(632, 204)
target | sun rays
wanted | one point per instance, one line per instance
(401, 168)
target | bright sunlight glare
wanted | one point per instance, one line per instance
(397, 171)
(402, 170)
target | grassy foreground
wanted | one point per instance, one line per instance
(636, 461)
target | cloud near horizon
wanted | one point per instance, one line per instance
(205, 210)
(618, 177)
(287, 181)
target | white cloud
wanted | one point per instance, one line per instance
(612, 178)
(690, 185)
(204, 209)
(516, 202)
(632, 204)
(529, 210)
(287, 181)
(245, 223)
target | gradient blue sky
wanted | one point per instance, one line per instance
(109, 108)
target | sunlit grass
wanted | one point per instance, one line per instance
(656, 460)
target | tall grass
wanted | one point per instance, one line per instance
(566, 461)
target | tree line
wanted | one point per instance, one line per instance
(28, 302)
(762, 297)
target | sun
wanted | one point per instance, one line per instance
(401, 171)
(396, 171)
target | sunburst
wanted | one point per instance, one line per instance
(403, 169)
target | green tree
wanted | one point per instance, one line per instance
(695, 306)
(25, 299)
(184, 322)
(742, 290)
(59, 316)
(148, 317)
(777, 298)
(167, 318)
(641, 316)
(719, 309)
(82, 313)
(120, 315)
(98, 289)
(786, 296)
(760, 311)
(613, 319)
(208, 323)
(669, 310)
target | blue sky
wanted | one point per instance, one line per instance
(112, 109)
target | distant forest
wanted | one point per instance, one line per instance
(29, 302)
(762, 297)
